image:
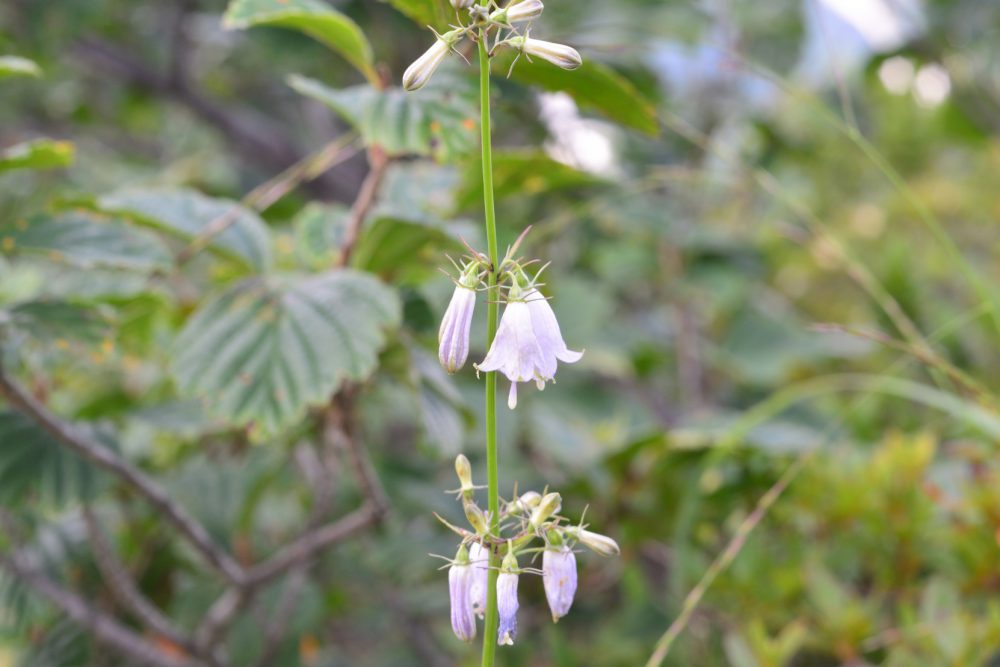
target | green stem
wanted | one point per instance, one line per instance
(492, 315)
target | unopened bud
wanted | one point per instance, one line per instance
(526, 502)
(476, 518)
(599, 544)
(461, 4)
(464, 471)
(549, 505)
(460, 579)
(558, 54)
(423, 68)
(507, 600)
(517, 13)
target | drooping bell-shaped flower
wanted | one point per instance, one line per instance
(453, 336)
(559, 578)
(528, 343)
(479, 559)
(423, 68)
(599, 544)
(518, 13)
(507, 601)
(559, 55)
(460, 579)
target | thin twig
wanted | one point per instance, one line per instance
(105, 628)
(212, 628)
(124, 588)
(103, 457)
(282, 617)
(378, 163)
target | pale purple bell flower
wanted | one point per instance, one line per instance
(453, 336)
(507, 607)
(479, 559)
(528, 344)
(460, 576)
(559, 579)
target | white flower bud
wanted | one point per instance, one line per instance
(599, 544)
(479, 558)
(558, 54)
(559, 578)
(464, 471)
(420, 72)
(462, 4)
(526, 502)
(460, 579)
(518, 13)
(507, 601)
(549, 505)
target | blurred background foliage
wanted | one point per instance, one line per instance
(772, 227)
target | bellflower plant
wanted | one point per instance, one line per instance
(525, 346)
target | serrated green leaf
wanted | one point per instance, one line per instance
(320, 230)
(16, 66)
(188, 213)
(86, 240)
(403, 251)
(265, 349)
(593, 86)
(314, 18)
(435, 13)
(33, 464)
(54, 321)
(439, 121)
(37, 154)
(528, 173)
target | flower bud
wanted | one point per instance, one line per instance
(476, 518)
(549, 505)
(479, 558)
(507, 600)
(517, 13)
(462, 4)
(420, 72)
(559, 579)
(526, 502)
(558, 54)
(600, 544)
(453, 336)
(460, 578)
(464, 471)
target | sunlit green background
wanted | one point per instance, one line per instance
(772, 226)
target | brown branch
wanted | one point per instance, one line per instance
(106, 629)
(212, 628)
(339, 431)
(378, 163)
(101, 456)
(122, 586)
(282, 617)
(308, 546)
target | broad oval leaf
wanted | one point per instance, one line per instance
(34, 465)
(86, 240)
(441, 120)
(17, 66)
(267, 348)
(314, 18)
(37, 154)
(593, 86)
(54, 321)
(434, 13)
(187, 214)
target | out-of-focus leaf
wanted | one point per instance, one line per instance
(401, 251)
(436, 13)
(86, 240)
(526, 173)
(440, 120)
(37, 154)
(445, 417)
(593, 86)
(59, 321)
(314, 18)
(265, 349)
(16, 66)
(319, 233)
(188, 213)
(33, 464)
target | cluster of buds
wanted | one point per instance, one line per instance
(523, 523)
(528, 345)
(482, 20)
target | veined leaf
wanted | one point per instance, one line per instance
(188, 213)
(33, 464)
(59, 321)
(86, 240)
(435, 13)
(440, 120)
(593, 86)
(314, 18)
(403, 251)
(16, 66)
(37, 154)
(521, 172)
(268, 347)
(319, 233)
